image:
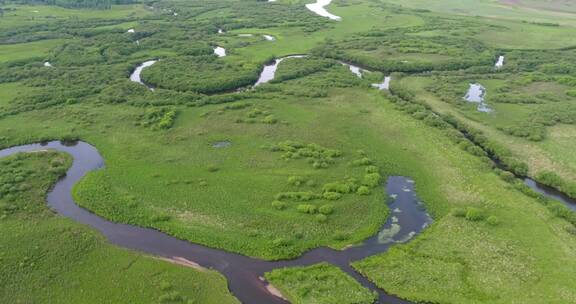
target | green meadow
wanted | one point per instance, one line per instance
(47, 258)
(321, 283)
(296, 163)
(21, 51)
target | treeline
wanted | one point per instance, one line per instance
(382, 53)
(201, 74)
(249, 14)
(494, 154)
(91, 4)
(291, 68)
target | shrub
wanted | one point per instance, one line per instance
(332, 196)
(321, 218)
(281, 242)
(372, 179)
(493, 220)
(270, 119)
(363, 190)
(474, 214)
(365, 161)
(549, 178)
(340, 236)
(295, 180)
(307, 208)
(297, 196)
(338, 187)
(326, 209)
(371, 169)
(459, 212)
(507, 176)
(279, 205)
(560, 210)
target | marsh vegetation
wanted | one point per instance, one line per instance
(312, 144)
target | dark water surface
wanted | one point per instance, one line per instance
(407, 219)
(551, 193)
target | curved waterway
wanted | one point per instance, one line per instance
(384, 85)
(476, 93)
(135, 76)
(407, 219)
(269, 71)
(319, 8)
(500, 62)
(551, 193)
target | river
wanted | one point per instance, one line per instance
(408, 218)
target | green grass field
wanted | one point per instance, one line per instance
(321, 283)
(38, 14)
(20, 51)
(47, 258)
(307, 154)
(546, 155)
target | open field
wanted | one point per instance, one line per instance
(321, 283)
(19, 15)
(296, 163)
(47, 258)
(20, 51)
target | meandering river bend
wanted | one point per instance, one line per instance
(407, 219)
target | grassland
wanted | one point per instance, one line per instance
(516, 126)
(26, 15)
(532, 10)
(301, 148)
(47, 258)
(321, 283)
(20, 51)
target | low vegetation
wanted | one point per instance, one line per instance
(320, 283)
(311, 149)
(73, 263)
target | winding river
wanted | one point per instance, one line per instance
(551, 193)
(407, 219)
(384, 85)
(319, 7)
(269, 71)
(476, 93)
(135, 76)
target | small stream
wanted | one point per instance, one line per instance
(384, 85)
(269, 71)
(318, 8)
(220, 51)
(407, 219)
(476, 93)
(552, 193)
(356, 70)
(500, 62)
(135, 76)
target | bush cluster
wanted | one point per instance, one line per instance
(318, 156)
(158, 118)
